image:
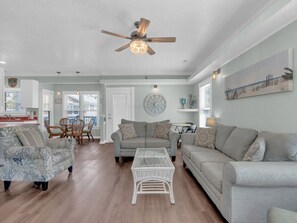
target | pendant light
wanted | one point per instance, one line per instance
(58, 92)
(77, 73)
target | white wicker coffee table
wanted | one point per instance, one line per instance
(152, 173)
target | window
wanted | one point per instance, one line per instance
(47, 107)
(84, 106)
(205, 105)
(12, 100)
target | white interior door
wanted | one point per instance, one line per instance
(119, 105)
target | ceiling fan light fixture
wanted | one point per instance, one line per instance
(138, 47)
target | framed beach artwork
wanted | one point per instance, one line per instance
(271, 75)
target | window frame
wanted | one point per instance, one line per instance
(80, 111)
(14, 90)
(203, 84)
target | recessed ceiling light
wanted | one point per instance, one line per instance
(2, 62)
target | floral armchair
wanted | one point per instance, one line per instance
(36, 163)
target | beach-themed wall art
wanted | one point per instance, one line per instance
(271, 75)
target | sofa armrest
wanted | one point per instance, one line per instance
(188, 138)
(28, 153)
(60, 143)
(117, 138)
(173, 138)
(261, 174)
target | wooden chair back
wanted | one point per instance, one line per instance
(77, 128)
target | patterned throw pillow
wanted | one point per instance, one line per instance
(31, 137)
(162, 130)
(128, 131)
(256, 151)
(205, 137)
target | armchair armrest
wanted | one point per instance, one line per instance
(261, 174)
(117, 138)
(28, 153)
(60, 143)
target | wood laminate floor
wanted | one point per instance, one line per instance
(100, 190)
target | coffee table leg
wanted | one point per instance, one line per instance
(172, 201)
(134, 194)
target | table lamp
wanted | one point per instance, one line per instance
(211, 121)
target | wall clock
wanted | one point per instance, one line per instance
(154, 104)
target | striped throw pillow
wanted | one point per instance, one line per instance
(32, 137)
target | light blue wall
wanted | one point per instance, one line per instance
(172, 94)
(273, 112)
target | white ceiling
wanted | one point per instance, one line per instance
(39, 38)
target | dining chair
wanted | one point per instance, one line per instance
(65, 124)
(53, 130)
(76, 131)
(88, 131)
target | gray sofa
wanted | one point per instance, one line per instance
(144, 139)
(243, 191)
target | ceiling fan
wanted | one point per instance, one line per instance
(138, 44)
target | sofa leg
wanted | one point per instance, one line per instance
(117, 159)
(6, 185)
(44, 185)
(70, 169)
(173, 158)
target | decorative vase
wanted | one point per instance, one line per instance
(183, 101)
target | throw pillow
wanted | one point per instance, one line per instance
(256, 151)
(128, 131)
(31, 137)
(205, 137)
(162, 130)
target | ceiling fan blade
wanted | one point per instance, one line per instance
(115, 34)
(123, 47)
(162, 39)
(143, 25)
(150, 51)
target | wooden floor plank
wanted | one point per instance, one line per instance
(100, 190)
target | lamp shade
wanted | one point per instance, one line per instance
(211, 121)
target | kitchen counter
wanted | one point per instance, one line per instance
(15, 121)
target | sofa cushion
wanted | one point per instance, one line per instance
(239, 142)
(151, 127)
(214, 173)
(134, 143)
(31, 137)
(157, 143)
(205, 137)
(138, 126)
(256, 151)
(280, 147)
(187, 149)
(128, 131)
(204, 157)
(162, 130)
(222, 133)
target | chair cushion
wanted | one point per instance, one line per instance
(133, 143)
(187, 149)
(204, 157)
(222, 133)
(139, 127)
(32, 137)
(205, 137)
(128, 131)
(56, 131)
(256, 151)
(239, 142)
(214, 173)
(162, 130)
(157, 143)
